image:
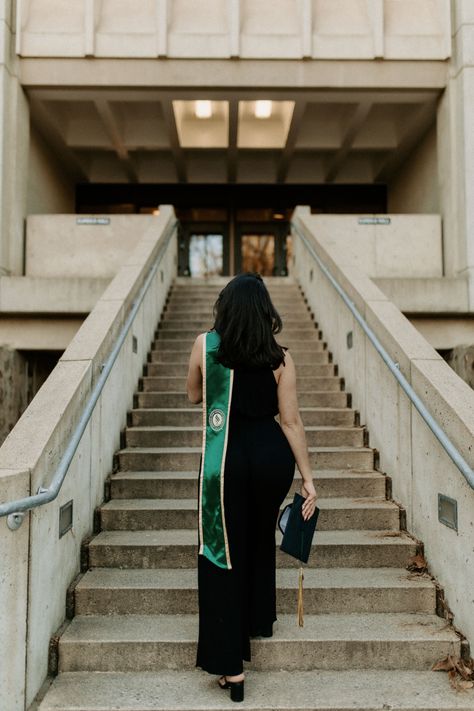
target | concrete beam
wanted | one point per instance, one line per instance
(288, 151)
(232, 149)
(270, 73)
(353, 127)
(111, 127)
(178, 155)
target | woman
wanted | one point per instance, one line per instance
(236, 574)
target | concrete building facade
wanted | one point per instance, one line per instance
(367, 107)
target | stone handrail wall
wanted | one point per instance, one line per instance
(268, 29)
(409, 452)
(36, 565)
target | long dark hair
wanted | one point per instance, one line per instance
(246, 321)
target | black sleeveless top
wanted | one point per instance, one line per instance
(254, 392)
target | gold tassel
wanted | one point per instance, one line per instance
(300, 598)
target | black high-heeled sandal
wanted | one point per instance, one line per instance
(236, 688)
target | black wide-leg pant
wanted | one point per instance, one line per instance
(240, 603)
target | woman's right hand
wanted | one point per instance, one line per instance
(309, 505)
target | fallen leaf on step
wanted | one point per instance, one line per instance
(417, 563)
(452, 678)
(460, 672)
(443, 664)
(462, 668)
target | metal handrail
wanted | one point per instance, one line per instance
(394, 367)
(44, 495)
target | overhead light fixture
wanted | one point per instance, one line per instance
(263, 108)
(278, 215)
(203, 108)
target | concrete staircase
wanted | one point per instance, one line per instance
(371, 631)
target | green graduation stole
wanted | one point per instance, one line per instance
(217, 392)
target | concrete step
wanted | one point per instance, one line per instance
(194, 289)
(182, 485)
(177, 548)
(181, 370)
(205, 322)
(315, 690)
(337, 514)
(175, 340)
(411, 641)
(276, 293)
(285, 307)
(205, 311)
(189, 436)
(210, 297)
(306, 357)
(192, 416)
(152, 383)
(110, 591)
(273, 284)
(310, 333)
(313, 398)
(325, 408)
(214, 289)
(179, 343)
(186, 458)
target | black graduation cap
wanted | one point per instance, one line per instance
(297, 538)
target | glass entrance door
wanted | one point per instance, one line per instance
(262, 247)
(203, 250)
(257, 253)
(206, 255)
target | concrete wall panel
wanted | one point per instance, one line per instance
(57, 246)
(409, 246)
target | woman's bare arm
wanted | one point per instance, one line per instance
(194, 380)
(292, 426)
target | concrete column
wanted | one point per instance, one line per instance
(456, 150)
(14, 142)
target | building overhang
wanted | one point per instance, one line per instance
(142, 134)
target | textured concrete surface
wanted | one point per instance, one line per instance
(171, 591)
(164, 484)
(327, 641)
(336, 514)
(188, 457)
(317, 690)
(178, 548)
